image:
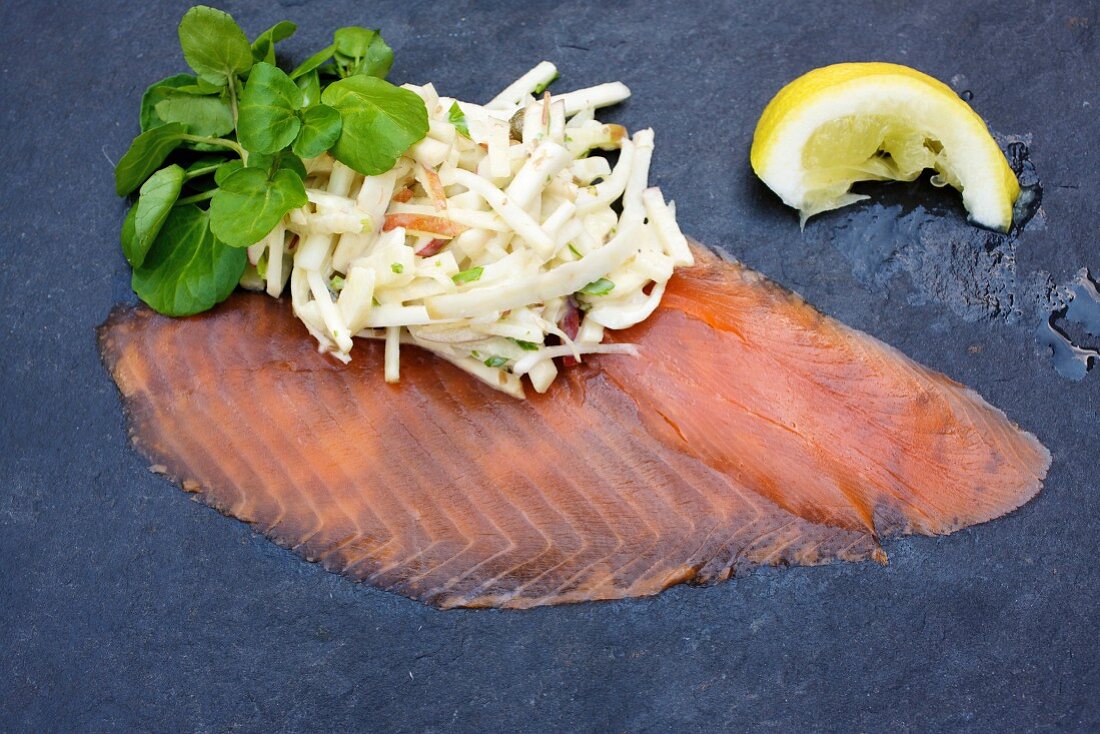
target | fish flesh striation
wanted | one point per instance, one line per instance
(751, 431)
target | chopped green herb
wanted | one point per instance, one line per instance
(574, 250)
(457, 117)
(475, 354)
(251, 278)
(526, 346)
(542, 87)
(337, 283)
(397, 268)
(496, 361)
(600, 287)
(468, 276)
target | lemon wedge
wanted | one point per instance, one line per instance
(855, 122)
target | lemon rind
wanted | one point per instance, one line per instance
(988, 185)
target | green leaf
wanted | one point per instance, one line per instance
(468, 276)
(158, 194)
(263, 48)
(600, 287)
(225, 169)
(271, 163)
(127, 235)
(362, 51)
(320, 129)
(187, 270)
(496, 361)
(199, 88)
(207, 116)
(157, 93)
(204, 87)
(214, 45)
(397, 268)
(313, 62)
(381, 121)
(457, 117)
(249, 204)
(145, 155)
(268, 119)
(310, 84)
(525, 346)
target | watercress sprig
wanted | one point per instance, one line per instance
(219, 160)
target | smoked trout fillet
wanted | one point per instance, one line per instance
(751, 430)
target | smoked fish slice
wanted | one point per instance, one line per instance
(439, 488)
(827, 422)
(612, 485)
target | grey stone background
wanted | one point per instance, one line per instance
(124, 606)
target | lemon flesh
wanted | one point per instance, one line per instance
(855, 122)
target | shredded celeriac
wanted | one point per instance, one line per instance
(497, 242)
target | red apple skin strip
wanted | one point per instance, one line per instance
(570, 325)
(435, 189)
(434, 247)
(425, 223)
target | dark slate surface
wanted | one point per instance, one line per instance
(124, 606)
